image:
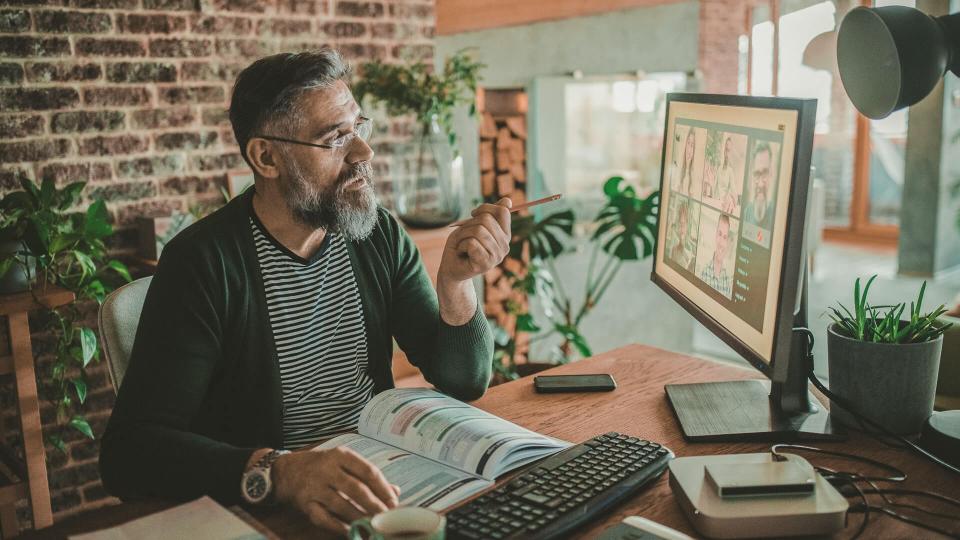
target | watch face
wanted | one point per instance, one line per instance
(255, 487)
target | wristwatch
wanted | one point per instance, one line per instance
(257, 485)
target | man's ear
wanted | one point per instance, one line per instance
(263, 158)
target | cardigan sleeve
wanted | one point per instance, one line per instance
(148, 449)
(456, 359)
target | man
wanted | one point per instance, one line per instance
(759, 210)
(714, 273)
(269, 324)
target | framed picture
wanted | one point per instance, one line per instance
(238, 182)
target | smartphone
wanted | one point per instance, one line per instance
(546, 384)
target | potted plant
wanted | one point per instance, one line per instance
(68, 248)
(427, 175)
(883, 360)
(624, 231)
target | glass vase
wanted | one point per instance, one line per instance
(427, 179)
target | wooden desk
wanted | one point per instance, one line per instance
(638, 407)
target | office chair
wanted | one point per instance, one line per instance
(118, 320)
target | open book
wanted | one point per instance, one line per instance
(437, 449)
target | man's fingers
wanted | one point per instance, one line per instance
(491, 245)
(500, 212)
(367, 473)
(321, 517)
(339, 506)
(360, 494)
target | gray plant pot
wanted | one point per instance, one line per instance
(891, 384)
(18, 277)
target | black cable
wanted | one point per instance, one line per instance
(899, 476)
(914, 522)
(849, 408)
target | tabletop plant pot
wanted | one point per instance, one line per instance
(893, 384)
(18, 276)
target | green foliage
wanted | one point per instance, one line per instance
(885, 324)
(415, 89)
(625, 232)
(69, 251)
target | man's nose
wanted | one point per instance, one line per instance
(360, 151)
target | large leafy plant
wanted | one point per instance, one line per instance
(68, 249)
(887, 324)
(416, 89)
(625, 232)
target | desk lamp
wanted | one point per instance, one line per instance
(892, 57)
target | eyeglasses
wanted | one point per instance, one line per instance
(363, 129)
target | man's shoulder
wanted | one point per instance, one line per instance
(210, 233)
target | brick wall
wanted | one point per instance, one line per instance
(131, 96)
(721, 24)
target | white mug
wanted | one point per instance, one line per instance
(404, 523)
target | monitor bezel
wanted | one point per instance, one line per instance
(797, 215)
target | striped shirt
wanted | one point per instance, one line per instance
(317, 322)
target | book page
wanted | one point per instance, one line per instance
(423, 482)
(444, 429)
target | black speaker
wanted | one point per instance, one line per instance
(892, 57)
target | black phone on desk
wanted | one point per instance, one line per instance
(549, 384)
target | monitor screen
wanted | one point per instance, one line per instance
(725, 193)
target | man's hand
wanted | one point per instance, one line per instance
(332, 487)
(479, 244)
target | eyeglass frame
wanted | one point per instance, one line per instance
(364, 121)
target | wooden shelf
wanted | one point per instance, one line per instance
(29, 300)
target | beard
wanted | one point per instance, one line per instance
(350, 212)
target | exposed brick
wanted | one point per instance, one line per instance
(126, 215)
(345, 29)
(27, 47)
(212, 24)
(64, 500)
(11, 73)
(283, 27)
(189, 185)
(250, 48)
(9, 180)
(167, 5)
(185, 140)
(249, 6)
(218, 162)
(106, 4)
(109, 146)
(14, 20)
(34, 150)
(228, 138)
(414, 52)
(150, 166)
(383, 30)
(359, 51)
(124, 191)
(116, 97)
(74, 475)
(412, 11)
(211, 71)
(141, 72)
(192, 94)
(97, 424)
(62, 173)
(94, 493)
(180, 47)
(161, 118)
(17, 126)
(150, 24)
(63, 72)
(37, 99)
(360, 9)
(82, 121)
(73, 22)
(301, 7)
(215, 116)
(110, 47)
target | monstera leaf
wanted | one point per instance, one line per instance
(627, 220)
(542, 236)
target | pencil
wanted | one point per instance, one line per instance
(516, 209)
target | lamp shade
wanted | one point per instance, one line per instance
(892, 57)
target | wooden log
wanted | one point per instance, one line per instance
(518, 197)
(517, 150)
(518, 126)
(503, 160)
(487, 185)
(486, 156)
(488, 126)
(519, 172)
(504, 185)
(503, 138)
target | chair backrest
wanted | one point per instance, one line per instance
(118, 320)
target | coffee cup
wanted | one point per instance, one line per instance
(405, 523)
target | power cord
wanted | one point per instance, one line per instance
(850, 408)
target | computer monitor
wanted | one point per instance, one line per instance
(730, 250)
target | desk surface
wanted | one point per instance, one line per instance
(638, 407)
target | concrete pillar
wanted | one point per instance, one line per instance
(929, 228)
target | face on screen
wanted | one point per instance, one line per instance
(723, 237)
(761, 176)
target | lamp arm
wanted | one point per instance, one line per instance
(951, 32)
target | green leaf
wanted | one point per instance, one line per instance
(70, 195)
(626, 221)
(48, 193)
(541, 237)
(97, 224)
(87, 266)
(56, 441)
(32, 190)
(81, 387)
(80, 424)
(88, 344)
(525, 323)
(120, 269)
(573, 335)
(5, 265)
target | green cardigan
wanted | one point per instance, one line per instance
(202, 391)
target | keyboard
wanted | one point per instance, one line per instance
(563, 492)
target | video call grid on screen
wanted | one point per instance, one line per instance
(725, 187)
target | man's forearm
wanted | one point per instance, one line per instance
(458, 301)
